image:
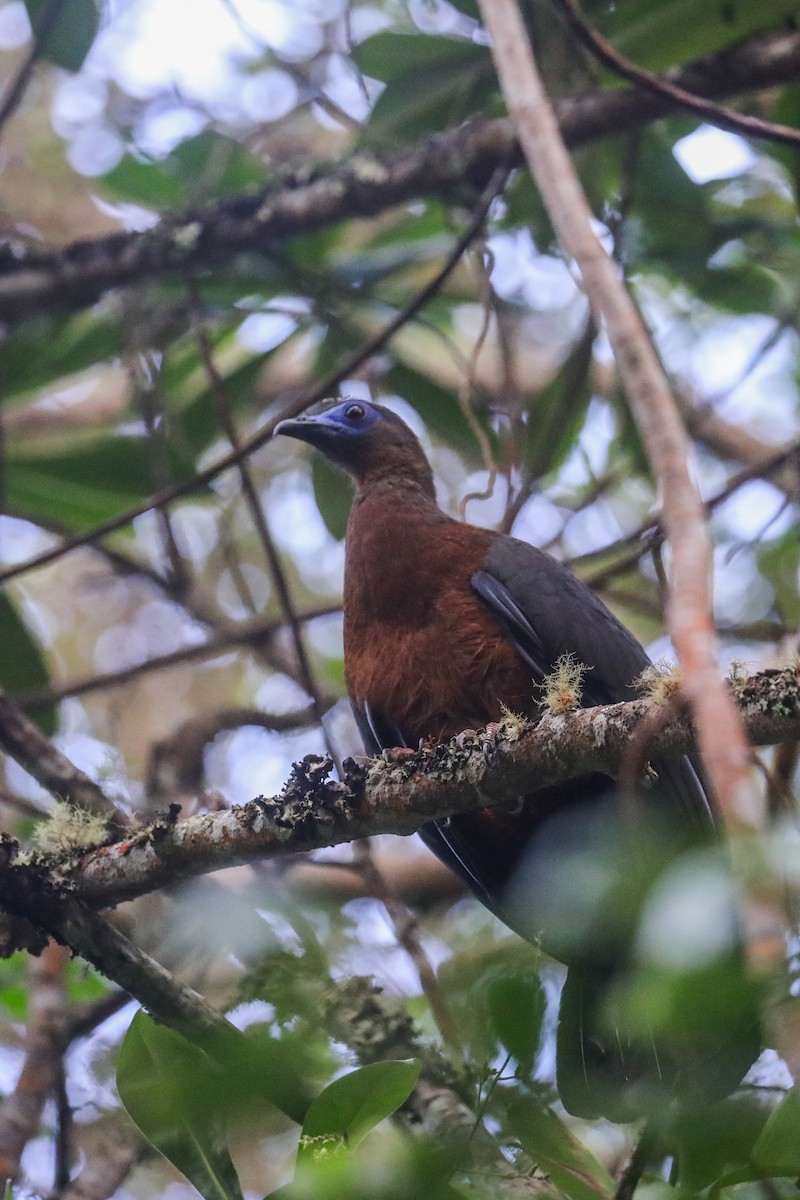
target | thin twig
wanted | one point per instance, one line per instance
(19, 83)
(112, 1151)
(21, 1110)
(467, 384)
(407, 932)
(652, 532)
(145, 393)
(635, 1168)
(716, 114)
(63, 1138)
(254, 507)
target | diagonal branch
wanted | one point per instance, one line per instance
(721, 739)
(716, 114)
(24, 741)
(76, 275)
(319, 391)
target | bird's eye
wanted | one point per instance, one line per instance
(355, 412)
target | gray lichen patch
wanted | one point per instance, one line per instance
(311, 800)
(771, 693)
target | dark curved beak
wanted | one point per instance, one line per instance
(291, 426)
(316, 430)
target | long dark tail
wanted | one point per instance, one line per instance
(600, 1071)
(603, 1070)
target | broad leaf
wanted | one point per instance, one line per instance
(344, 1113)
(516, 1003)
(168, 1087)
(657, 34)
(777, 1151)
(22, 665)
(431, 83)
(570, 1165)
(70, 37)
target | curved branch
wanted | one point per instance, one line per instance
(725, 118)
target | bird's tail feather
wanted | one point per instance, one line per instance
(604, 1070)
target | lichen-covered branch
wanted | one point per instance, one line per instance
(32, 891)
(474, 770)
(74, 276)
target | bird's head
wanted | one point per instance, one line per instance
(369, 441)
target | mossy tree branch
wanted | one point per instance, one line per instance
(475, 770)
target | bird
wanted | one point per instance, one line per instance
(447, 627)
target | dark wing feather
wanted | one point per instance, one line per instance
(545, 611)
(379, 733)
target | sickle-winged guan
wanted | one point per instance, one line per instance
(445, 627)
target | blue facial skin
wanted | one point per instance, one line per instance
(333, 427)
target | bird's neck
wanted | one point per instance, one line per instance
(393, 526)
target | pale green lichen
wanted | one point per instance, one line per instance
(68, 828)
(512, 726)
(659, 682)
(562, 688)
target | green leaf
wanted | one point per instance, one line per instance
(78, 486)
(431, 83)
(333, 493)
(516, 1003)
(657, 34)
(779, 561)
(718, 1143)
(71, 36)
(48, 349)
(168, 1087)
(22, 665)
(344, 1113)
(572, 1167)
(211, 163)
(141, 182)
(777, 1151)
(496, 999)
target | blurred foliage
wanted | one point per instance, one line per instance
(103, 407)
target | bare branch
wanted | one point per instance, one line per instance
(720, 736)
(45, 1043)
(24, 741)
(319, 391)
(16, 89)
(247, 633)
(725, 118)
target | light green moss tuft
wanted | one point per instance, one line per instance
(659, 682)
(69, 828)
(562, 688)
